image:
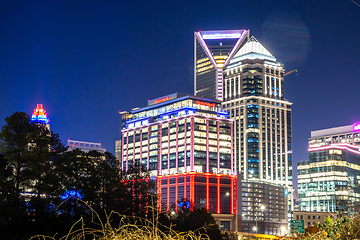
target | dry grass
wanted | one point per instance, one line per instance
(129, 228)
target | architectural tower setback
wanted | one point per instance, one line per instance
(213, 51)
(253, 94)
(254, 97)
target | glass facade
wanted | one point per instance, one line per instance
(329, 180)
(213, 50)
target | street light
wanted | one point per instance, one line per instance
(282, 230)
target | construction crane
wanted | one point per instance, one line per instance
(295, 70)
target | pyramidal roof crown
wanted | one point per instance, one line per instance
(253, 46)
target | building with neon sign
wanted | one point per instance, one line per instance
(329, 180)
(185, 143)
(213, 51)
(253, 94)
(39, 116)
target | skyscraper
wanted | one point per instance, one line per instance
(249, 80)
(254, 97)
(213, 51)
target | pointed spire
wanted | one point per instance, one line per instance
(253, 46)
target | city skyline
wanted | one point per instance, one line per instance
(85, 63)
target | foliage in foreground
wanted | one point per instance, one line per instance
(36, 171)
(124, 228)
(336, 228)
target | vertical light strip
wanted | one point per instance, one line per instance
(140, 162)
(122, 152)
(192, 145)
(185, 195)
(192, 190)
(232, 146)
(265, 80)
(276, 149)
(218, 195)
(185, 168)
(207, 145)
(207, 193)
(168, 194)
(148, 150)
(159, 191)
(159, 144)
(266, 145)
(232, 194)
(168, 160)
(286, 148)
(261, 140)
(134, 133)
(176, 192)
(127, 151)
(177, 146)
(225, 90)
(220, 83)
(218, 147)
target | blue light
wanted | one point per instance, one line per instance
(67, 194)
(184, 204)
(252, 106)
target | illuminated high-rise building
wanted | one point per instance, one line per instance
(185, 144)
(213, 52)
(253, 94)
(330, 180)
(39, 115)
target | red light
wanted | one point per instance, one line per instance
(205, 104)
(160, 100)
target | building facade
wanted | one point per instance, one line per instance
(253, 94)
(85, 146)
(185, 144)
(312, 218)
(329, 180)
(212, 52)
(264, 208)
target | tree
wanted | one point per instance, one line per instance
(28, 150)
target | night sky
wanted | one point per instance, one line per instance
(87, 60)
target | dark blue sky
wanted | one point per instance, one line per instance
(88, 60)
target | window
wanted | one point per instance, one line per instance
(309, 218)
(301, 217)
(313, 217)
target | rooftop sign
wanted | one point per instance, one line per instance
(205, 104)
(162, 99)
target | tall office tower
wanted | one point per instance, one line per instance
(185, 143)
(254, 97)
(330, 180)
(39, 115)
(213, 51)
